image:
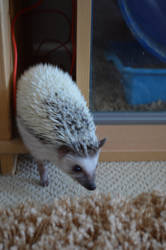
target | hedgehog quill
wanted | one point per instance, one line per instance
(56, 125)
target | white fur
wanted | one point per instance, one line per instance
(37, 149)
(37, 86)
(47, 152)
(52, 112)
(88, 164)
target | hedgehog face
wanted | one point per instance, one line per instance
(80, 168)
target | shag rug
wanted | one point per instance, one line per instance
(93, 222)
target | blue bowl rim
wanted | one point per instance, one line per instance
(155, 50)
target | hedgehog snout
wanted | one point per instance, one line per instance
(88, 183)
(91, 186)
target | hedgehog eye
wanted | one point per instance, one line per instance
(77, 168)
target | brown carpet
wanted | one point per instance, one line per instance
(94, 222)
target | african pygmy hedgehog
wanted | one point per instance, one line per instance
(56, 125)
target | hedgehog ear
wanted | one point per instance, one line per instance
(102, 142)
(64, 150)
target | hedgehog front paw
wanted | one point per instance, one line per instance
(44, 183)
(43, 174)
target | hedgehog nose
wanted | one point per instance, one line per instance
(91, 187)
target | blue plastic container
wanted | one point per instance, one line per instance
(147, 21)
(143, 75)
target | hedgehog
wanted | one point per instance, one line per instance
(56, 125)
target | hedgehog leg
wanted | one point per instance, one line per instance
(43, 174)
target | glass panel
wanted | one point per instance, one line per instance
(128, 56)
